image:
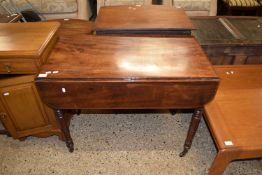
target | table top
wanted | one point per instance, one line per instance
(128, 58)
(229, 30)
(143, 18)
(20, 40)
(9, 18)
(87, 71)
(235, 112)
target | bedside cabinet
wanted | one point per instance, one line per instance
(22, 111)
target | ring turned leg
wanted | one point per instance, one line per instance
(65, 130)
(192, 131)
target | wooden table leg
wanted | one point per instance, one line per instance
(173, 111)
(196, 117)
(78, 111)
(220, 163)
(65, 129)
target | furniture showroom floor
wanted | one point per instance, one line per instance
(142, 143)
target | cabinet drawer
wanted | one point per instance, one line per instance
(18, 66)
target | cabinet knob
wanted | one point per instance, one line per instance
(8, 68)
(2, 116)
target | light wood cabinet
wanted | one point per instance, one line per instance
(22, 111)
(24, 48)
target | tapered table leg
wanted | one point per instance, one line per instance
(197, 115)
(220, 163)
(65, 129)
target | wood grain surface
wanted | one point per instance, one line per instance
(145, 19)
(25, 39)
(234, 114)
(112, 58)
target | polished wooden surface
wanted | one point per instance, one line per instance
(123, 58)
(235, 115)
(24, 47)
(119, 72)
(25, 39)
(10, 18)
(230, 40)
(138, 19)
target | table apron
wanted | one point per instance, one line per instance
(126, 95)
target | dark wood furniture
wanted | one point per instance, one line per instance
(10, 18)
(142, 20)
(230, 40)
(24, 47)
(234, 115)
(102, 72)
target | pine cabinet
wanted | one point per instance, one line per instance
(22, 111)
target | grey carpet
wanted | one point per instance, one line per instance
(139, 144)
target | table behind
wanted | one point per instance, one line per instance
(230, 40)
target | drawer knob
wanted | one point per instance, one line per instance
(8, 68)
(2, 116)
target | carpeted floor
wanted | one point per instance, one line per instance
(139, 144)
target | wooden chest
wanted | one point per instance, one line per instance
(230, 40)
(24, 47)
(142, 20)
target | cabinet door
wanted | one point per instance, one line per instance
(23, 110)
